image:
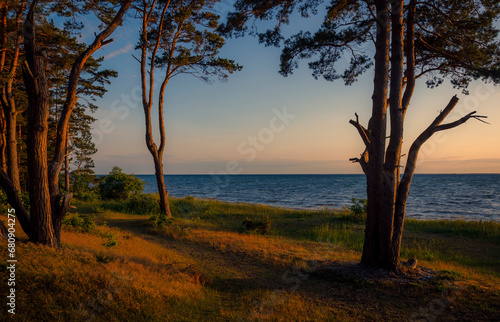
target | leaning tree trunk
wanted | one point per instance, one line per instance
(60, 202)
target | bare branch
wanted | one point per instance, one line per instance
(362, 131)
(460, 122)
(363, 161)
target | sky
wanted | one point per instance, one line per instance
(259, 122)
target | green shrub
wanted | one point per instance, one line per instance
(84, 183)
(258, 226)
(111, 242)
(82, 222)
(118, 185)
(87, 195)
(142, 204)
(186, 207)
(160, 221)
(358, 207)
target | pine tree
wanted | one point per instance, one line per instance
(177, 37)
(412, 39)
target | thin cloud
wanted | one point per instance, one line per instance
(115, 53)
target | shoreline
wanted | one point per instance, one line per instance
(334, 209)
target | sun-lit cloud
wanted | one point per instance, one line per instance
(115, 53)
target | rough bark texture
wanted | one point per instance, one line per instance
(38, 113)
(377, 128)
(48, 207)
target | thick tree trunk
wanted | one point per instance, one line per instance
(375, 240)
(38, 113)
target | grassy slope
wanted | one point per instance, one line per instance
(202, 267)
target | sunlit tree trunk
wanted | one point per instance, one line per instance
(38, 113)
(47, 205)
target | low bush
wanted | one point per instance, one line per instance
(119, 185)
(111, 240)
(81, 222)
(358, 207)
(142, 204)
(258, 226)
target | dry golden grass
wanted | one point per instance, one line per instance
(204, 270)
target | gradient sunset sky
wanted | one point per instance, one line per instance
(233, 126)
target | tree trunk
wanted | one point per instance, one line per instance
(160, 180)
(375, 238)
(38, 113)
(147, 97)
(60, 202)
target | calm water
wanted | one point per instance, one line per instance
(467, 196)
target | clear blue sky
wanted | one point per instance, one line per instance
(236, 126)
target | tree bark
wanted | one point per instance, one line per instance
(376, 149)
(164, 204)
(393, 152)
(38, 113)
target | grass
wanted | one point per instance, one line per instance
(204, 266)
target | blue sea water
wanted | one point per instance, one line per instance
(432, 196)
